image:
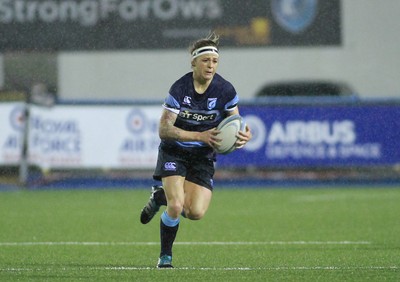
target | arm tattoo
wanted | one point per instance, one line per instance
(167, 129)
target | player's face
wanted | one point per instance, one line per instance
(205, 66)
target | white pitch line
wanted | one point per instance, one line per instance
(277, 268)
(3, 244)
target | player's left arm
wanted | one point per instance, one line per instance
(243, 136)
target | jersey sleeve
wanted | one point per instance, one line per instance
(233, 99)
(232, 104)
(171, 104)
(173, 101)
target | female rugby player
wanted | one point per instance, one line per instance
(195, 105)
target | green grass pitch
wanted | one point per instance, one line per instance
(319, 234)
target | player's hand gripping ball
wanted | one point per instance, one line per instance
(229, 128)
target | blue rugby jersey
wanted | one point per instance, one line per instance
(199, 112)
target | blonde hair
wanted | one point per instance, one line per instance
(211, 40)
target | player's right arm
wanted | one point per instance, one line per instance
(168, 131)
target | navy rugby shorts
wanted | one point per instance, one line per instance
(196, 169)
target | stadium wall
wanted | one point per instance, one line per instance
(328, 134)
(367, 59)
(363, 51)
(119, 141)
(322, 140)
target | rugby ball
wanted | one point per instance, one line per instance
(229, 127)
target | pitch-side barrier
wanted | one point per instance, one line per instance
(312, 139)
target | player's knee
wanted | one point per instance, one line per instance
(195, 214)
(175, 208)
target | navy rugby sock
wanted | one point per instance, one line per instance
(168, 229)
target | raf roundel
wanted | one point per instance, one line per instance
(229, 127)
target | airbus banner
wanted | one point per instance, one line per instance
(319, 136)
(158, 24)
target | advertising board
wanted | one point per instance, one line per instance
(319, 136)
(126, 136)
(159, 24)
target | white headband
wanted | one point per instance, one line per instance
(205, 50)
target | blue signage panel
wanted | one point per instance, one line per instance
(319, 136)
